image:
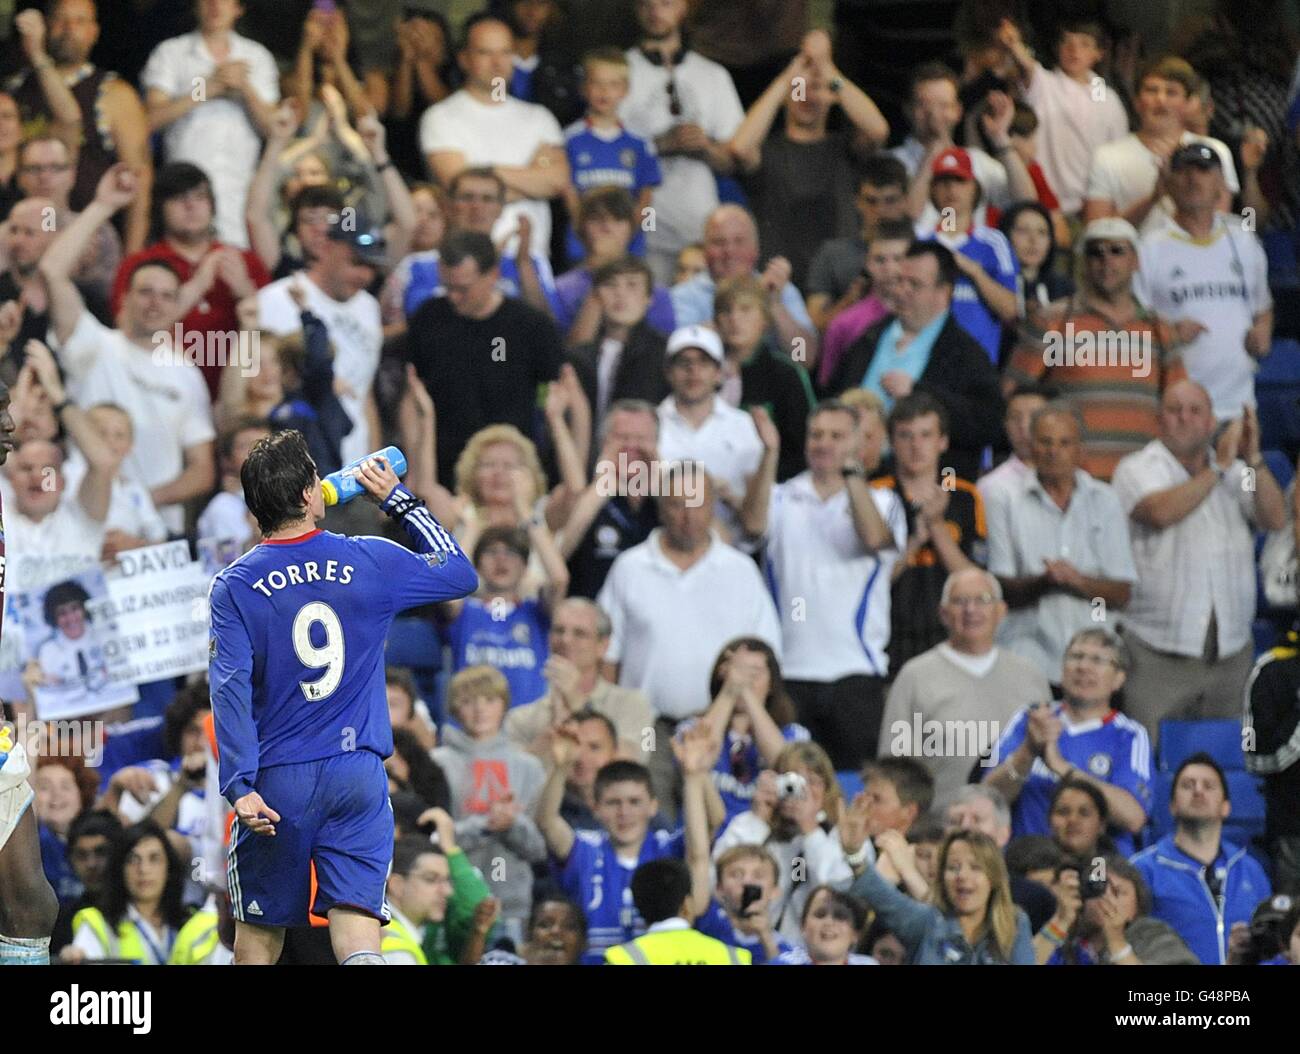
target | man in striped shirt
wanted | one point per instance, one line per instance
(1193, 509)
(1107, 355)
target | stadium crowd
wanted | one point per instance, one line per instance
(874, 443)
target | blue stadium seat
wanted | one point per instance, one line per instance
(415, 644)
(1279, 416)
(1220, 739)
(1281, 364)
(1161, 823)
(1246, 821)
(1282, 467)
(850, 783)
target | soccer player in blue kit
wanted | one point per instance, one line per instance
(296, 667)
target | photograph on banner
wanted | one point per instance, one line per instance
(157, 596)
(67, 664)
(216, 554)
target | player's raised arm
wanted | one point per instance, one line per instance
(438, 570)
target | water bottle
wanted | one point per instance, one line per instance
(6, 745)
(339, 488)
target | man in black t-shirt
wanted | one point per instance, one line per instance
(615, 512)
(480, 355)
(945, 525)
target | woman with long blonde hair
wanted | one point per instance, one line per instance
(970, 920)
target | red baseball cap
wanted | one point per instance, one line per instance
(953, 162)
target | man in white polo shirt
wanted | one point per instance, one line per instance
(1194, 509)
(135, 366)
(832, 541)
(673, 602)
(697, 424)
(483, 126)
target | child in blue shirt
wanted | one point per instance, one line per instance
(601, 151)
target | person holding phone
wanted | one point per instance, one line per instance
(740, 912)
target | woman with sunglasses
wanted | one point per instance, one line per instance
(833, 923)
(971, 920)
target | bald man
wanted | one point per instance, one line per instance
(1059, 546)
(731, 249)
(1194, 502)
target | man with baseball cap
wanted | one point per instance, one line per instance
(333, 287)
(984, 298)
(697, 424)
(1203, 266)
(1107, 354)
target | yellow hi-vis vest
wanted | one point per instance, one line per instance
(676, 948)
(397, 938)
(197, 940)
(126, 944)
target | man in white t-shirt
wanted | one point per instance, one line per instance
(697, 424)
(1202, 265)
(212, 94)
(673, 602)
(135, 366)
(688, 106)
(1129, 176)
(333, 288)
(832, 541)
(482, 125)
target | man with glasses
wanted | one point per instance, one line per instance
(921, 347)
(837, 276)
(478, 197)
(966, 678)
(419, 887)
(1107, 355)
(1059, 545)
(1080, 738)
(688, 105)
(1194, 499)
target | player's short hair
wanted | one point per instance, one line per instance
(591, 717)
(64, 593)
(621, 771)
(408, 849)
(660, 888)
(607, 272)
(475, 681)
(277, 471)
(1033, 852)
(192, 699)
(748, 852)
(915, 405)
(911, 780)
(607, 56)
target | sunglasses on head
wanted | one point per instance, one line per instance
(1096, 250)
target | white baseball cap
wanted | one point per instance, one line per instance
(702, 337)
(1111, 229)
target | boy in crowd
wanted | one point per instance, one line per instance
(494, 785)
(740, 913)
(500, 627)
(596, 867)
(604, 153)
(1077, 110)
